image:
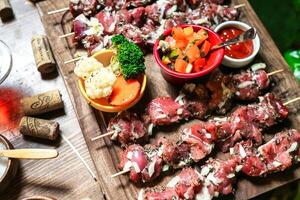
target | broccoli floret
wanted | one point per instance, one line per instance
(118, 39)
(130, 57)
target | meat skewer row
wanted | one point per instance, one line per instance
(91, 7)
(129, 128)
(217, 177)
(196, 142)
(276, 155)
(142, 25)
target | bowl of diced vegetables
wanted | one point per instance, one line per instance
(109, 81)
(184, 53)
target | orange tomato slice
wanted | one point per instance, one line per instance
(178, 33)
(193, 53)
(124, 91)
(180, 65)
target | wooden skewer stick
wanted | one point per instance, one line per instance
(80, 157)
(103, 135)
(35, 154)
(291, 101)
(275, 72)
(58, 11)
(120, 173)
(239, 6)
(72, 60)
(66, 35)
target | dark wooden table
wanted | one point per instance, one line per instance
(64, 177)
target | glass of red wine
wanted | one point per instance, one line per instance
(10, 111)
(5, 61)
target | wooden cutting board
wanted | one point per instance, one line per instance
(105, 154)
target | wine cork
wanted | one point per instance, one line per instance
(40, 128)
(6, 12)
(42, 53)
(42, 103)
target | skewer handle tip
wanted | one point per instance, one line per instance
(291, 101)
(240, 6)
(72, 60)
(57, 11)
(275, 72)
(103, 135)
(120, 173)
(66, 35)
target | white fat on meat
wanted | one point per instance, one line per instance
(245, 84)
(220, 119)
(151, 168)
(117, 130)
(165, 168)
(276, 163)
(141, 194)
(156, 34)
(74, 1)
(293, 147)
(232, 175)
(171, 10)
(211, 177)
(95, 28)
(161, 116)
(187, 132)
(179, 99)
(258, 66)
(239, 168)
(127, 166)
(205, 170)
(82, 19)
(129, 155)
(208, 135)
(231, 151)
(160, 151)
(179, 111)
(200, 21)
(172, 183)
(162, 6)
(136, 167)
(242, 151)
(150, 129)
(204, 194)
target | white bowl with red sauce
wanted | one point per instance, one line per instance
(241, 54)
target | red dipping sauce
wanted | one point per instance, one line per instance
(239, 50)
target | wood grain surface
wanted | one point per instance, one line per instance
(64, 177)
(105, 154)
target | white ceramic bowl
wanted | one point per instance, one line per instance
(233, 62)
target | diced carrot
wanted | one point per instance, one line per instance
(178, 33)
(191, 39)
(199, 64)
(180, 65)
(188, 31)
(124, 91)
(203, 32)
(181, 44)
(193, 53)
(200, 37)
(205, 48)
